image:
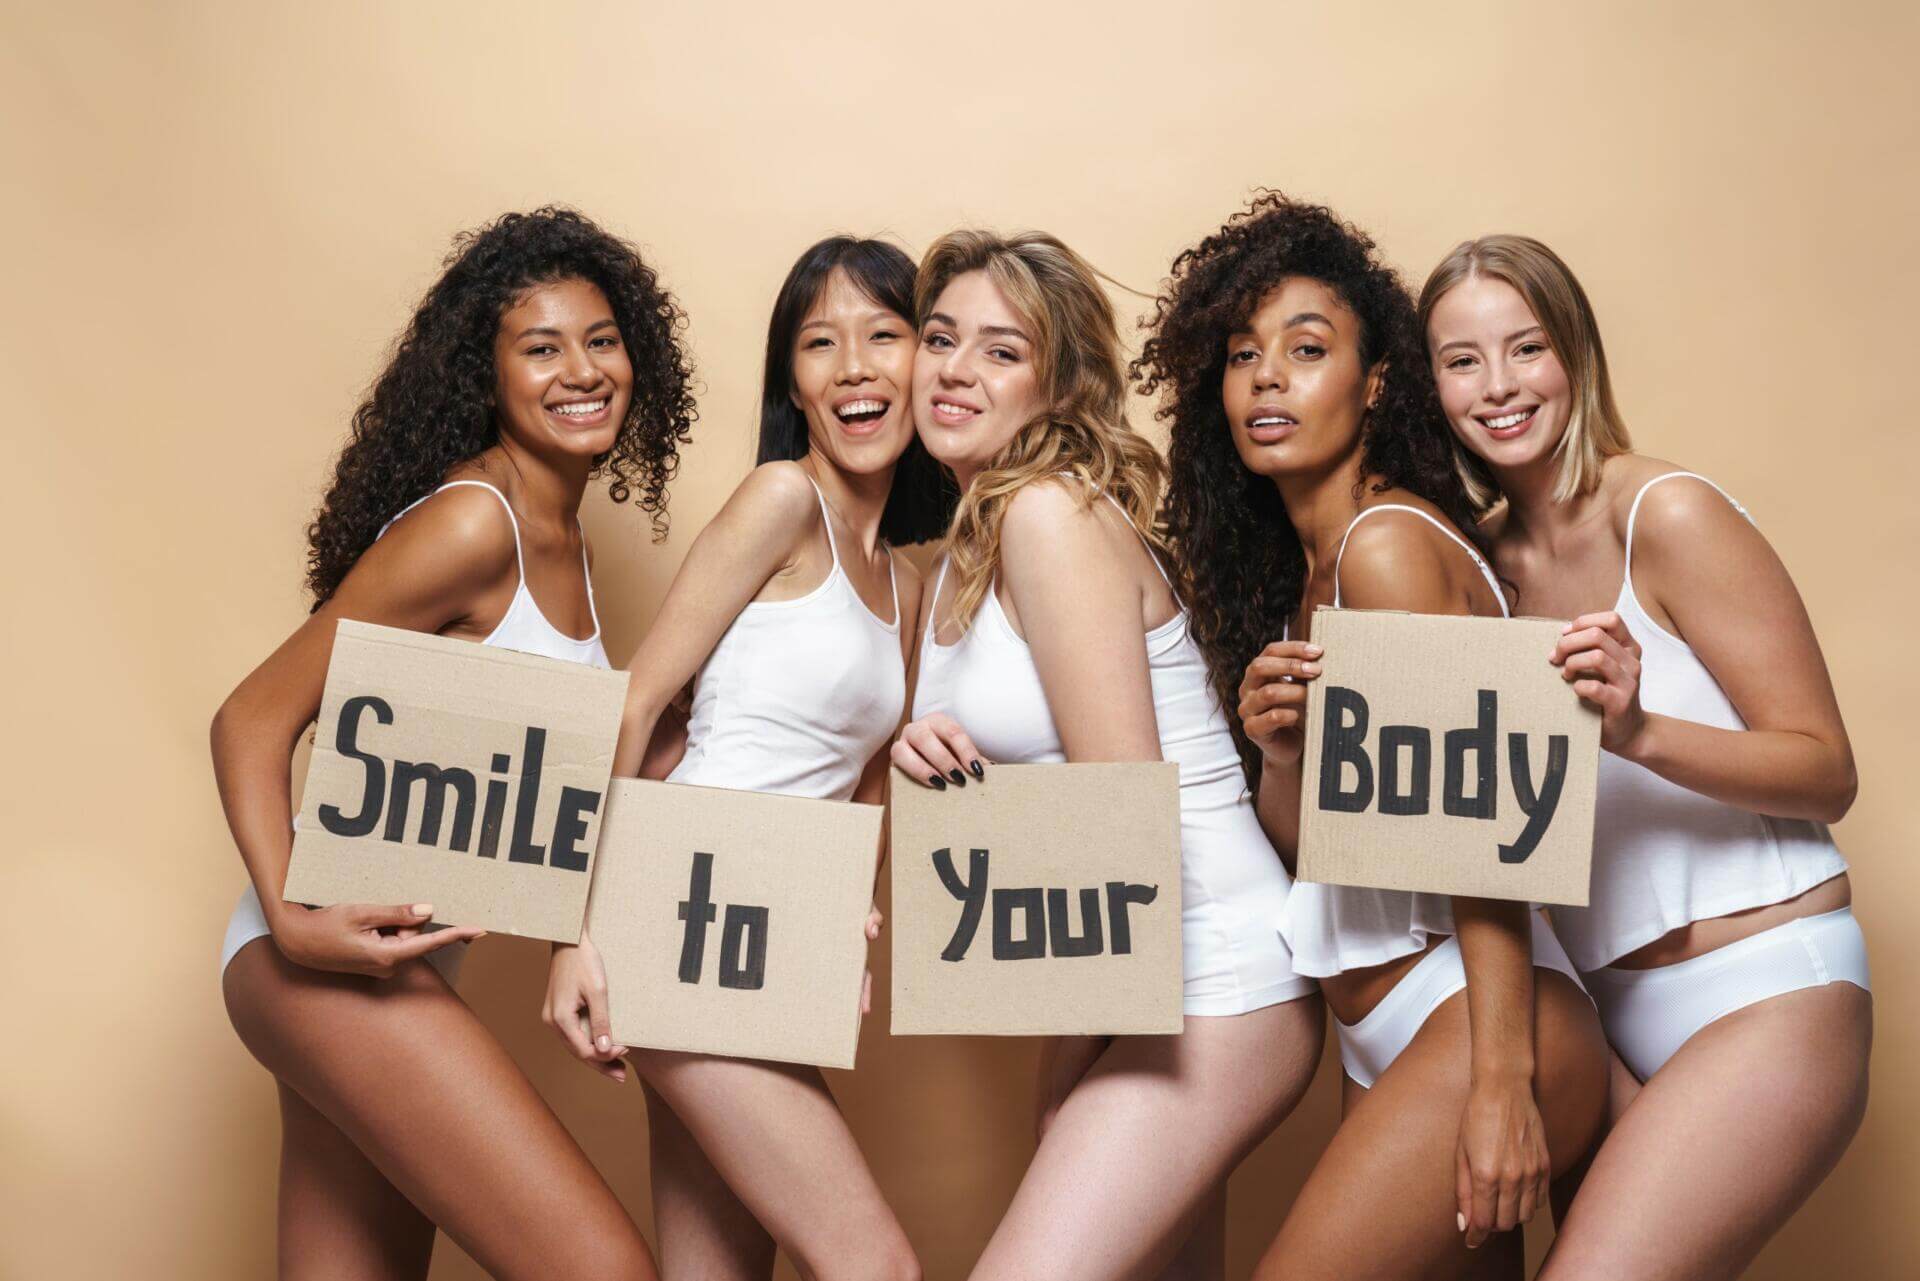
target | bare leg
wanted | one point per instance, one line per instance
(776, 1136)
(1203, 1256)
(1380, 1202)
(703, 1230)
(1622, 1085)
(407, 1074)
(1724, 1143)
(339, 1217)
(1132, 1159)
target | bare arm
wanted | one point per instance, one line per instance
(1732, 601)
(755, 534)
(426, 575)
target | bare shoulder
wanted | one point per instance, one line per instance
(1688, 519)
(467, 524)
(1398, 560)
(777, 494)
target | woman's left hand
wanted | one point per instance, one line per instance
(1599, 655)
(874, 921)
(1501, 1165)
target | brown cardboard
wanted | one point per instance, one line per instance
(772, 967)
(495, 861)
(1044, 838)
(1463, 686)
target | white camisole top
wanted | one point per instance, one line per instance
(1336, 928)
(1664, 856)
(799, 694)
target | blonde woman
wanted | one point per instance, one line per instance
(1053, 633)
(1719, 943)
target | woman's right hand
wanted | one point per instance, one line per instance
(362, 938)
(933, 750)
(1273, 699)
(576, 1007)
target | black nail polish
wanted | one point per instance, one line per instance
(937, 783)
(979, 770)
(959, 779)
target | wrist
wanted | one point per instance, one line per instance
(1510, 1072)
(1642, 745)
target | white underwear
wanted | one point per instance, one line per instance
(1369, 1047)
(1650, 1014)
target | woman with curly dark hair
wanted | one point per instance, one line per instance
(788, 615)
(546, 353)
(1311, 467)
(1719, 934)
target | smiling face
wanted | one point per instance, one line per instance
(852, 376)
(1294, 388)
(562, 379)
(975, 383)
(1503, 388)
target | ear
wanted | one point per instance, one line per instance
(1376, 382)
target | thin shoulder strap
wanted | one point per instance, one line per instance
(1158, 567)
(512, 520)
(933, 601)
(1633, 513)
(586, 572)
(1479, 563)
(826, 518)
(893, 582)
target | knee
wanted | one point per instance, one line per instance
(887, 1257)
(624, 1257)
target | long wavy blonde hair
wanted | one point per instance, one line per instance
(1595, 431)
(1081, 426)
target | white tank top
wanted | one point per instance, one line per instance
(1333, 929)
(987, 682)
(799, 694)
(523, 627)
(1664, 856)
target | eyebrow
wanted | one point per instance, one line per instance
(550, 332)
(1008, 331)
(1305, 316)
(1516, 334)
(878, 313)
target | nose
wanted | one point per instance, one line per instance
(954, 369)
(580, 373)
(1269, 372)
(855, 367)
(1501, 383)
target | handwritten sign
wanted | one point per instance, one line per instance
(1446, 754)
(734, 922)
(462, 775)
(1041, 900)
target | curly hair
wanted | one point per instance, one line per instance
(433, 405)
(1081, 426)
(1239, 558)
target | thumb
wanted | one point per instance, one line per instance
(376, 915)
(599, 1023)
(1462, 1189)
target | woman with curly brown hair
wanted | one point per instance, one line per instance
(1054, 634)
(1719, 935)
(1310, 467)
(545, 354)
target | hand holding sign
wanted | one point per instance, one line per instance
(1599, 656)
(1273, 699)
(369, 939)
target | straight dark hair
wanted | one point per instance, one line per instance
(922, 498)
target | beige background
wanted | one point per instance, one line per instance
(218, 216)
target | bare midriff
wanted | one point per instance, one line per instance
(1700, 937)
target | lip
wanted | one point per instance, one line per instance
(1263, 430)
(596, 419)
(1511, 431)
(951, 411)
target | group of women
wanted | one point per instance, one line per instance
(1674, 1068)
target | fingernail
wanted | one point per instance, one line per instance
(604, 1044)
(1311, 669)
(959, 779)
(1565, 628)
(1460, 1221)
(979, 770)
(1315, 650)
(936, 782)
(423, 909)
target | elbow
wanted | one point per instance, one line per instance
(1837, 798)
(220, 729)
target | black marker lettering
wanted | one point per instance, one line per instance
(697, 911)
(1342, 742)
(522, 849)
(1059, 928)
(495, 814)
(1031, 944)
(1415, 799)
(570, 828)
(346, 741)
(435, 781)
(972, 894)
(1483, 740)
(745, 931)
(1539, 807)
(1119, 894)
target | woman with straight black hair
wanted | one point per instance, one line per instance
(787, 617)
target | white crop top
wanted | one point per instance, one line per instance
(799, 694)
(1336, 928)
(1664, 856)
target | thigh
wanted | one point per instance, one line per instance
(700, 1227)
(775, 1134)
(339, 1216)
(1380, 1202)
(1725, 1141)
(1130, 1161)
(407, 1073)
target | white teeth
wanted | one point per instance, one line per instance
(1505, 421)
(583, 409)
(851, 408)
(1269, 422)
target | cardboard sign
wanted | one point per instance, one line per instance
(456, 774)
(734, 922)
(1041, 900)
(1446, 754)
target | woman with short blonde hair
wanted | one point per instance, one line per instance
(1053, 633)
